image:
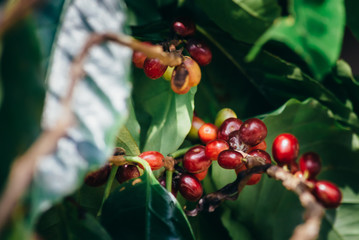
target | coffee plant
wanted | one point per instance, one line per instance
(179, 119)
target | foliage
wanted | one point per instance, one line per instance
(277, 63)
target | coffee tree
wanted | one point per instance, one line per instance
(178, 120)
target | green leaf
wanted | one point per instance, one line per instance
(142, 209)
(313, 30)
(245, 20)
(99, 102)
(352, 17)
(23, 92)
(265, 208)
(165, 117)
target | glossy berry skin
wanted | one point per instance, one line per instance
(194, 71)
(199, 51)
(328, 194)
(153, 68)
(262, 154)
(285, 148)
(190, 187)
(138, 58)
(184, 27)
(230, 159)
(228, 126)
(154, 159)
(196, 124)
(254, 179)
(127, 172)
(201, 175)
(310, 162)
(207, 132)
(195, 160)
(236, 143)
(223, 115)
(253, 131)
(215, 147)
(98, 177)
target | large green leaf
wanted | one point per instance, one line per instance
(142, 209)
(314, 30)
(165, 117)
(245, 20)
(265, 208)
(352, 17)
(23, 92)
(99, 102)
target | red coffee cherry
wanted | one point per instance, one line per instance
(98, 177)
(262, 154)
(228, 126)
(230, 159)
(154, 159)
(195, 160)
(199, 51)
(184, 26)
(328, 194)
(262, 146)
(215, 147)
(253, 131)
(285, 148)
(190, 187)
(127, 172)
(207, 132)
(153, 68)
(310, 162)
(201, 175)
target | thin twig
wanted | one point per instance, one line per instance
(313, 210)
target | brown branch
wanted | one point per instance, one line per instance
(13, 14)
(313, 210)
(167, 58)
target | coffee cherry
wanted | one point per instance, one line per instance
(236, 143)
(328, 194)
(262, 146)
(127, 172)
(293, 166)
(310, 162)
(199, 51)
(154, 159)
(190, 187)
(215, 147)
(180, 79)
(194, 71)
(285, 148)
(228, 126)
(207, 132)
(223, 115)
(253, 131)
(98, 177)
(230, 159)
(153, 68)
(196, 124)
(201, 175)
(138, 58)
(184, 26)
(262, 154)
(254, 179)
(195, 160)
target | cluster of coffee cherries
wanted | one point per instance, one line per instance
(229, 141)
(188, 73)
(285, 150)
